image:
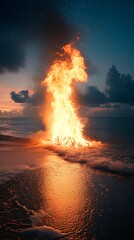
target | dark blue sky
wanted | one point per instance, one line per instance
(32, 30)
(106, 30)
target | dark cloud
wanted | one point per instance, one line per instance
(20, 97)
(12, 52)
(13, 34)
(36, 99)
(119, 87)
(29, 21)
(58, 31)
(119, 91)
(93, 97)
(31, 103)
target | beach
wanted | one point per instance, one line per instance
(74, 194)
(69, 198)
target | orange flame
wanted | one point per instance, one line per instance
(65, 128)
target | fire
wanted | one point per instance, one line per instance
(64, 126)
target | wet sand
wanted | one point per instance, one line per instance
(62, 197)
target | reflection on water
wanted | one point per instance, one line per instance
(84, 203)
(67, 196)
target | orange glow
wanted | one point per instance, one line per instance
(8, 83)
(63, 125)
(64, 191)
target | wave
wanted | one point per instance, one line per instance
(94, 157)
(42, 232)
(103, 158)
(9, 138)
(38, 229)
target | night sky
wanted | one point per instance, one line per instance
(31, 31)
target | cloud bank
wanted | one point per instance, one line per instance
(119, 88)
(117, 99)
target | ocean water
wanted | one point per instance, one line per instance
(53, 193)
(108, 130)
(115, 134)
(19, 127)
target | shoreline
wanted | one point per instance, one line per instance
(78, 194)
(77, 200)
